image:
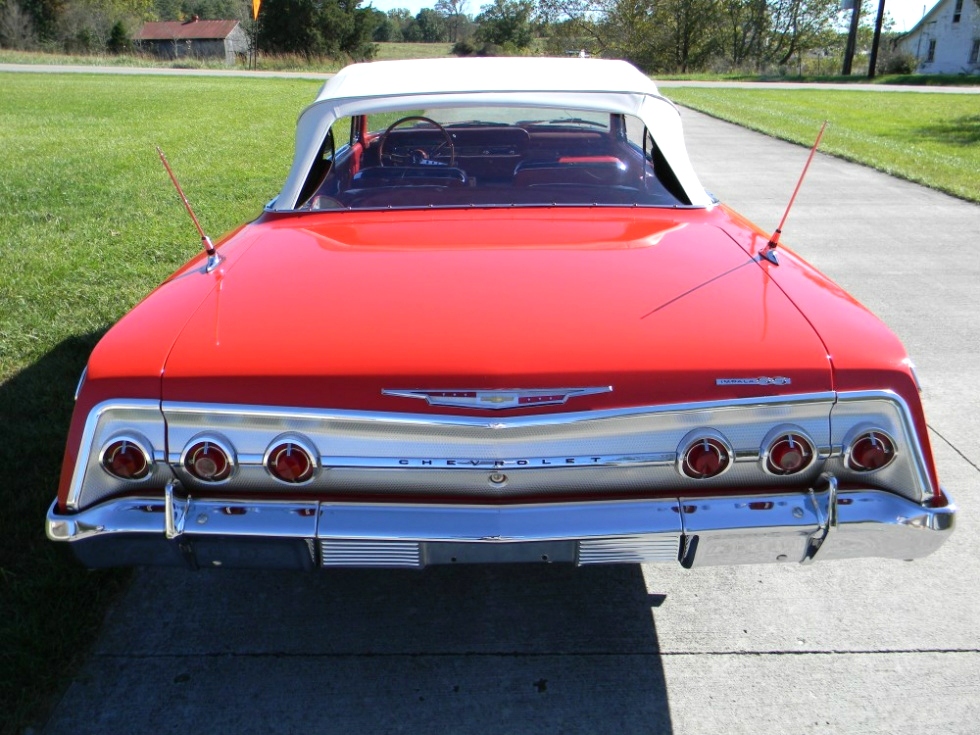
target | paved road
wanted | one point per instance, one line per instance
(156, 71)
(162, 71)
(865, 646)
(848, 87)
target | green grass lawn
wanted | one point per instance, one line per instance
(933, 139)
(265, 62)
(91, 224)
(387, 51)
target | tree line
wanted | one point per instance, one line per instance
(659, 36)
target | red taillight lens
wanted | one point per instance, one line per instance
(208, 461)
(291, 462)
(870, 451)
(126, 459)
(788, 454)
(705, 457)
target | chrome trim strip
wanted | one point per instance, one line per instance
(495, 422)
(524, 463)
(81, 382)
(86, 444)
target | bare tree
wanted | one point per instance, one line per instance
(16, 27)
(454, 11)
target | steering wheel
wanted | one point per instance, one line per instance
(418, 156)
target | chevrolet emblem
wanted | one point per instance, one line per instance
(496, 400)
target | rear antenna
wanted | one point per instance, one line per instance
(213, 257)
(770, 252)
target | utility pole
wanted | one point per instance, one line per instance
(852, 37)
(873, 61)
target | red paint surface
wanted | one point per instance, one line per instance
(330, 313)
(326, 310)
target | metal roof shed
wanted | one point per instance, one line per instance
(194, 38)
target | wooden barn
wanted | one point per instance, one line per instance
(194, 38)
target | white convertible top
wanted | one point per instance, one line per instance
(498, 74)
(568, 83)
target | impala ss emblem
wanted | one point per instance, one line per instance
(496, 400)
(762, 380)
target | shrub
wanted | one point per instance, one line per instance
(896, 62)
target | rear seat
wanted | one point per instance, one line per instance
(589, 170)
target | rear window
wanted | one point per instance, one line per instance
(492, 157)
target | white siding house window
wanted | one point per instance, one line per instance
(975, 51)
(931, 53)
(957, 11)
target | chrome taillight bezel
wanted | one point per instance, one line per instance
(875, 434)
(223, 445)
(135, 440)
(705, 438)
(772, 441)
(299, 443)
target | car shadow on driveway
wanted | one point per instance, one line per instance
(449, 649)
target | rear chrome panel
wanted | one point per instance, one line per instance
(591, 454)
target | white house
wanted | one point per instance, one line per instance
(947, 39)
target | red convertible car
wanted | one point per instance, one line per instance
(492, 316)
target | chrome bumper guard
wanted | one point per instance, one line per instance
(747, 529)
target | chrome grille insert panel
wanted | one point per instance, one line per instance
(361, 553)
(638, 549)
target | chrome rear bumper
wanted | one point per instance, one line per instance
(748, 529)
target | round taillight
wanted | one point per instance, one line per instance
(870, 451)
(705, 457)
(788, 454)
(126, 459)
(208, 461)
(290, 462)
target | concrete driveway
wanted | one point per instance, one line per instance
(865, 646)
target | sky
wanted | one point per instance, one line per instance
(906, 13)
